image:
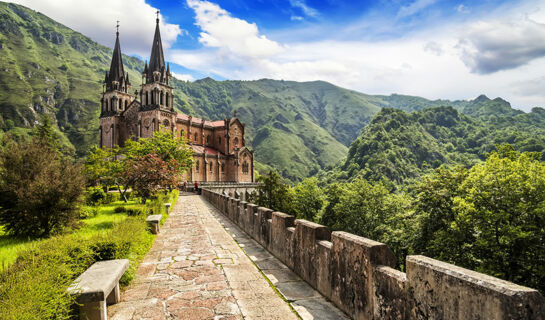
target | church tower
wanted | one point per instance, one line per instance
(157, 101)
(115, 99)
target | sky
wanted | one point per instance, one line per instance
(437, 49)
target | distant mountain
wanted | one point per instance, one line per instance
(400, 146)
(299, 128)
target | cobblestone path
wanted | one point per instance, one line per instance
(195, 270)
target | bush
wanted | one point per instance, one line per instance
(88, 212)
(95, 195)
(133, 212)
(40, 189)
(112, 197)
(34, 287)
(119, 209)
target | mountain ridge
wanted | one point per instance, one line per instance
(299, 128)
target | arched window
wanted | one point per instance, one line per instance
(182, 133)
(113, 135)
(235, 142)
(161, 98)
(147, 98)
(245, 167)
(166, 123)
(126, 103)
(112, 104)
(211, 166)
(120, 104)
(195, 137)
(208, 139)
(197, 166)
(219, 140)
(167, 99)
(222, 167)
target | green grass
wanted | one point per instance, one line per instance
(11, 246)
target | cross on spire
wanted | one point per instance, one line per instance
(157, 12)
(117, 26)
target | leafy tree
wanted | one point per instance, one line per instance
(274, 194)
(164, 145)
(150, 174)
(332, 196)
(40, 189)
(369, 210)
(309, 199)
(125, 166)
(502, 206)
(434, 204)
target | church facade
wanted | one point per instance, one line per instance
(220, 152)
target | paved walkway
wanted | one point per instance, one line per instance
(195, 270)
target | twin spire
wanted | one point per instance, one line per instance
(116, 79)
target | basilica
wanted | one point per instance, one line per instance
(220, 152)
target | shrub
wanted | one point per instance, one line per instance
(133, 212)
(34, 287)
(40, 189)
(95, 195)
(119, 209)
(112, 197)
(88, 212)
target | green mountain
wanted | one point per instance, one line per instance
(401, 146)
(49, 69)
(298, 128)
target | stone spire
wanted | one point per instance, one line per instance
(115, 79)
(156, 68)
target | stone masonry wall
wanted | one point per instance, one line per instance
(357, 274)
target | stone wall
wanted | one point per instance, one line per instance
(357, 274)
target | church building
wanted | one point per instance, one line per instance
(220, 152)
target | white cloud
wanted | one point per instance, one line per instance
(301, 4)
(221, 30)
(414, 7)
(97, 19)
(426, 64)
(463, 9)
(184, 77)
(491, 46)
(296, 18)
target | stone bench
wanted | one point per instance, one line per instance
(153, 222)
(97, 287)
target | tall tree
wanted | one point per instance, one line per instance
(40, 189)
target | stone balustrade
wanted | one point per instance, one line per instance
(357, 274)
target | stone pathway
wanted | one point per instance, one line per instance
(196, 271)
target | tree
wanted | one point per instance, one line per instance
(434, 205)
(502, 206)
(125, 166)
(40, 189)
(275, 194)
(370, 211)
(309, 199)
(150, 174)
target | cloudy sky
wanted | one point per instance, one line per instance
(430, 48)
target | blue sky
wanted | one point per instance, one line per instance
(431, 48)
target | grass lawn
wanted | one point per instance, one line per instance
(103, 221)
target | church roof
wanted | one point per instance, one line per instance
(157, 59)
(197, 121)
(201, 149)
(117, 73)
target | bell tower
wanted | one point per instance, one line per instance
(156, 92)
(115, 98)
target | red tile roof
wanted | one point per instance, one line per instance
(201, 149)
(217, 123)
